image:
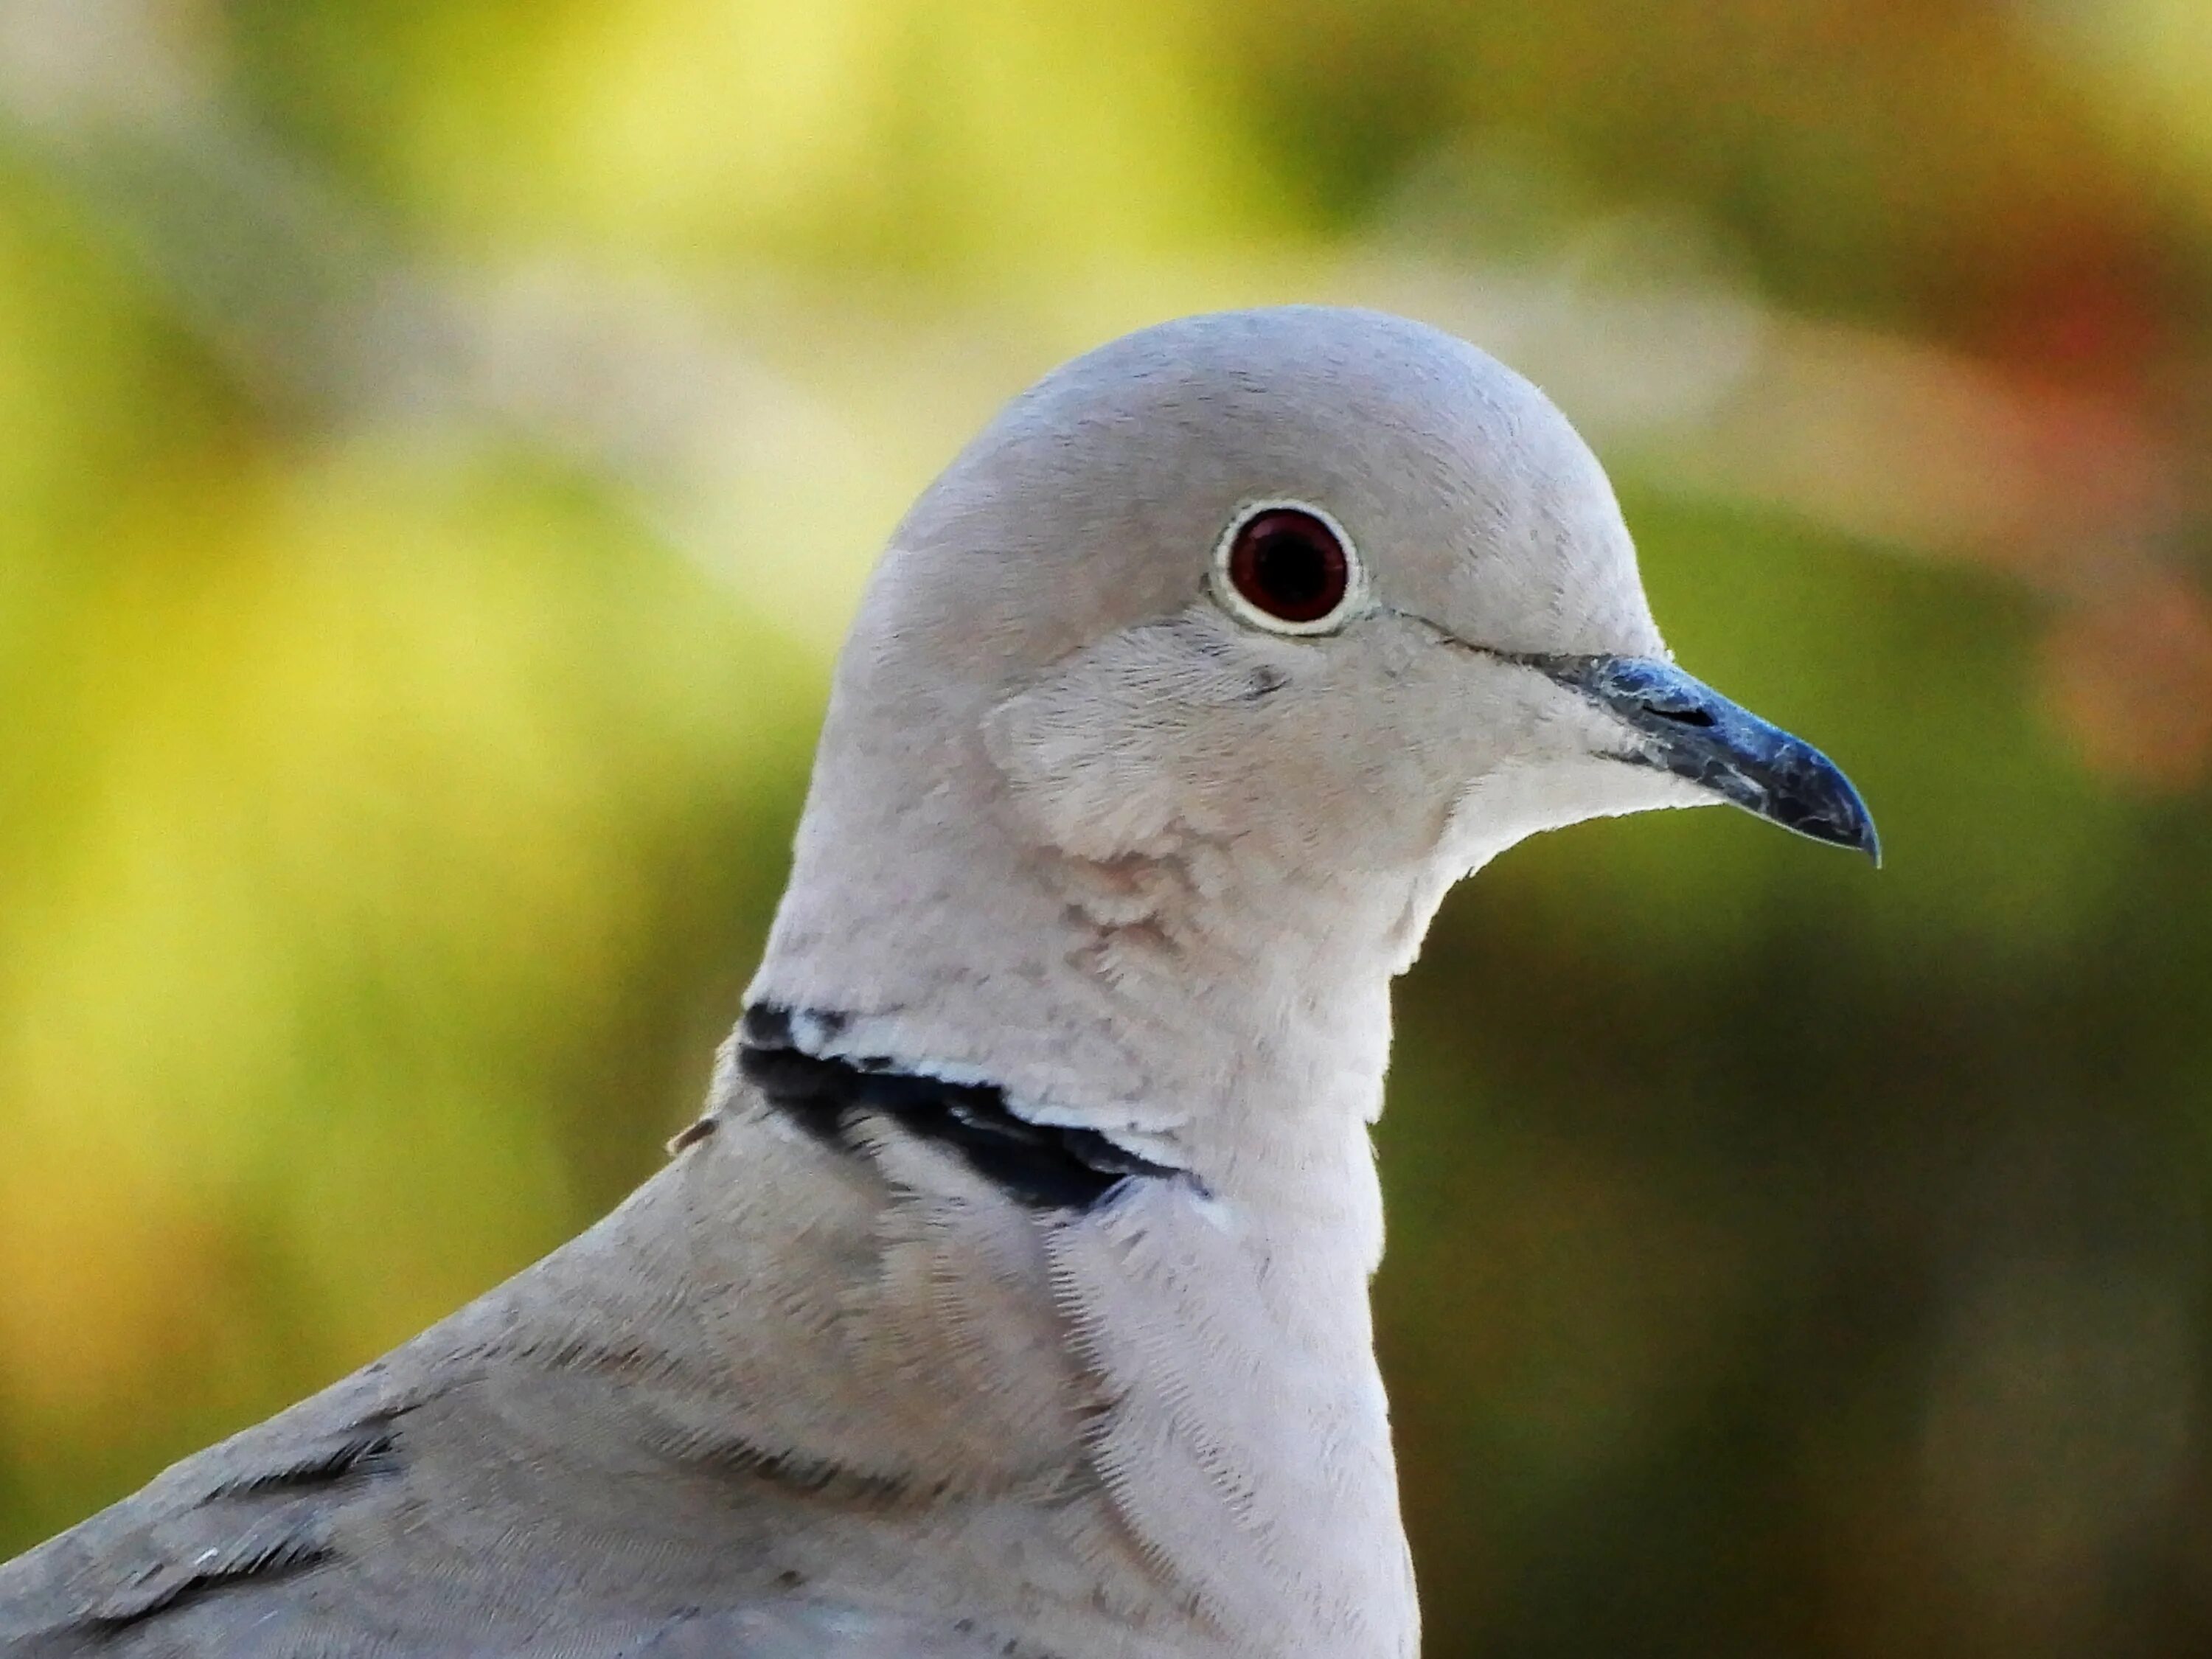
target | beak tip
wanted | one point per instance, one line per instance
(1848, 824)
(1839, 814)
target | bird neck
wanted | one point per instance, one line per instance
(1199, 1010)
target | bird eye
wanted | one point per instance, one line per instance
(1286, 568)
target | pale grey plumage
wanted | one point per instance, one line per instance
(1064, 1350)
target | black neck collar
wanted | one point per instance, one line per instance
(1043, 1166)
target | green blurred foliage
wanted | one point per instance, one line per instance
(439, 446)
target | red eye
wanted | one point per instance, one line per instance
(1288, 566)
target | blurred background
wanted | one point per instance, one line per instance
(440, 445)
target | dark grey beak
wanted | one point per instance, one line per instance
(1684, 727)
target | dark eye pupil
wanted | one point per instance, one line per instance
(1291, 570)
(1289, 564)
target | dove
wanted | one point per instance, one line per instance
(1011, 1295)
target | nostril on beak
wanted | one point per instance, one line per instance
(1690, 716)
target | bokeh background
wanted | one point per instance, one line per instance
(440, 444)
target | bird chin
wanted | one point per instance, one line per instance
(1502, 808)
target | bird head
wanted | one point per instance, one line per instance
(1329, 583)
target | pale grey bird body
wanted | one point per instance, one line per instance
(1010, 1297)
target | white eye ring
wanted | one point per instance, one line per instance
(1288, 566)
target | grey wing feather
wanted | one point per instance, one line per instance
(302, 1538)
(586, 1462)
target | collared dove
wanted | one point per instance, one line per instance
(1010, 1296)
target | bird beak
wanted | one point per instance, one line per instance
(1684, 727)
